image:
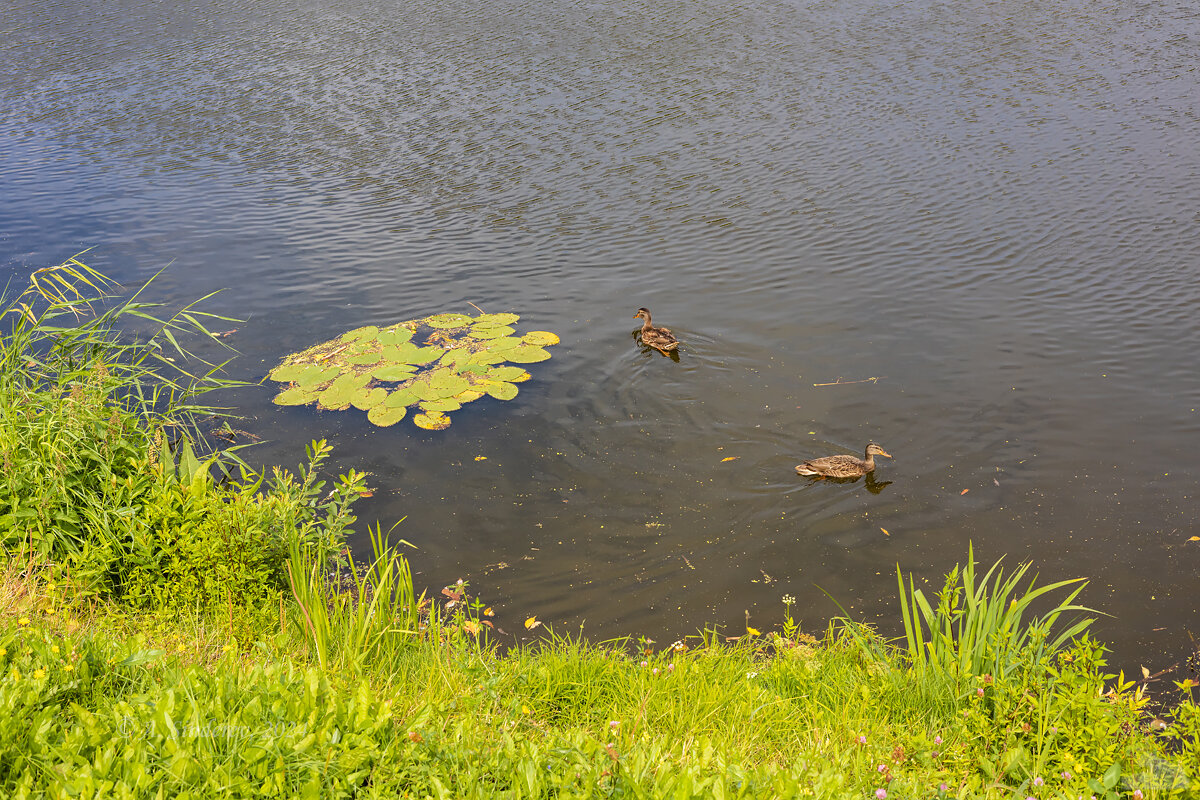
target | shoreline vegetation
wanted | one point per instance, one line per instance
(168, 628)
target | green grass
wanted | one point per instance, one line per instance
(163, 634)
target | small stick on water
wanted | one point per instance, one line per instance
(840, 382)
(477, 308)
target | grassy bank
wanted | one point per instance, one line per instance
(168, 629)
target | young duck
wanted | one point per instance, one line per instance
(843, 466)
(661, 339)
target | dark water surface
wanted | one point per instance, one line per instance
(992, 207)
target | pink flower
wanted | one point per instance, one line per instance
(937, 740)
(862, 740)
(881, 794)
(1137, 794)
(645, 663)
(654, 671)
(881, 768)
(978, 692)
(1066, 776)
(1038, 781)
(613, 725)
(942, 787)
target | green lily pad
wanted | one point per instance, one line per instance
(441, 405)
(365, 333)
(314, 376)
(385, 416)
(526, 355)
(401, 398)
(295, 396)
(488, 332)
(365, 358)
(455, 356)
(501, 390)
(502, 344)
(468, 396)
(445, 380)
(393, 372)
(366, 399)
(395, 336)
(513, 374)
(443, 321)
(286, 373)
(504, 318)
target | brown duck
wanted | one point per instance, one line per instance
(843, 466)
(661, 339)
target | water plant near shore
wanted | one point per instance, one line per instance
(385, 371)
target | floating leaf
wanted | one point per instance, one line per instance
(365, 358)
(441, 405)
(469, 396)
(366, 399)
(448, 383)
(393, 372)
(486, 357)
(505, 343)
(426, 355)
(540, 338)
(365, 333)
(532, 623)
(513, 374)
(401, 398)
(497, 319)
(339, 394)
(385, 416)
(286, 373)
(395, 336)
(490, 331)
(315, 375)
(456, 355)
(432, 421)
(526, 355)
(500, 390)
(295, 396)
(448, 320)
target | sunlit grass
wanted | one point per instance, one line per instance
(295, 687)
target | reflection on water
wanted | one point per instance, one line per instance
(989, 208)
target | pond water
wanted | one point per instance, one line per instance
(988, 208)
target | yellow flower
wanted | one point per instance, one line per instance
(16, 674)
(23, 621)
(38, 674)
(3, 652)
(69, 667)
(54, 648)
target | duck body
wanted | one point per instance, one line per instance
(843, 466)
(661, 339)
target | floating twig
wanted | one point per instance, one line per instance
(840, 382)
(477, 308)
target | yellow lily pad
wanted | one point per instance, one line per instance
(540, 338)
(432, 421)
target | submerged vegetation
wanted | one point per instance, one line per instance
(168, 628)
(383, 371)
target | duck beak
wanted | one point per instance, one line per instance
(885, 455)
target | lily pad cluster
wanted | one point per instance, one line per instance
(385, 371)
